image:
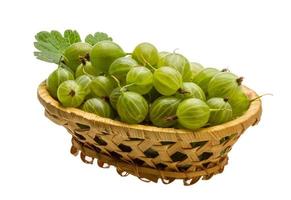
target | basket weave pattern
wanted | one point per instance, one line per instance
(148, 152)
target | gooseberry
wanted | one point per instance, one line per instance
(163, 111)
(114, 95)
(239, 102)
(146, 54)
(221, 110)
(140, 80)
(104, 53)
(98, 106)
(162, 56)
(167, 80)
(195, 69)
(180, 63)
(56, 78)
(190, 90)
(120, 67)
(71, 94)
(74, 53)
(193, 113)
(85, 82)
(102, 86)
(223, 84)
(203, 77)
(132, 107)
(86, 68)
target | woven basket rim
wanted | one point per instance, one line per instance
(252, 114)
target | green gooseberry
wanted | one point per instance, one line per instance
(132, 107)
(139, 79)
(239, 102)
(114, 96)
(203, 77)
(223, 84)
(104, 53)
(99, 107)
(56, 78)
(80, 71)
(74, 53)
(180, 63)
(85, 82)
(86, 68)
(221, 110)
(195, 69)
(146, 54)
(193, 113)
(71, 94)
(163, 111)
(167, 80)
(190, 90)
(120, 67)
(102, 86)
(162, 56)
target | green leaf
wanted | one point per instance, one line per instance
(72, 36)
(97, 37)
(51, 45)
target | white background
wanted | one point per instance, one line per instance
(252, 38)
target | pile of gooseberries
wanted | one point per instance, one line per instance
(147, 86)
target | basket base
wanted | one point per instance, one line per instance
(146, 174)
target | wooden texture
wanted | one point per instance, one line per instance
(149, 152)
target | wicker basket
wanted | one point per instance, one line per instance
(148, 152)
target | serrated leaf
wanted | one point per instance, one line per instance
(97, 37)
(51, 45)
(53, 58)
(72, 36)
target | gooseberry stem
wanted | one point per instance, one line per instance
(116, 80)
(171, 118)
(62, 64)
(61, 60)
(83, 60)
(239, 80)
(87, 57)
(181, 91)
(86, 73)
(153, 68)
(72, 93)
(105, 98)
(174, 52)
(128, 54)
(124, 87)
(213, 110)
(258, 97)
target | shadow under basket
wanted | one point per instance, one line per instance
(149, 152)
